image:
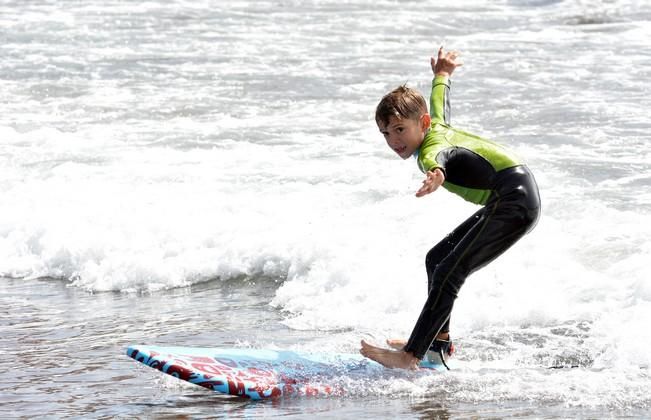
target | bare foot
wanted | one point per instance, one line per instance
(397, 343)
(389, 358)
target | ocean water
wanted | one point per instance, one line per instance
(208, 173)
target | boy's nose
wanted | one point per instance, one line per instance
(394, 141)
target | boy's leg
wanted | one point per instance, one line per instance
(447, 244)
(434, 257)
(442, 249)
(500, 224)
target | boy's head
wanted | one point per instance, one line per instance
(403, 119)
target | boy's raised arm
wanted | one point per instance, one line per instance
(442, 66)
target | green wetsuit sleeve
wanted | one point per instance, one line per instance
(439, 101)
(435, 142)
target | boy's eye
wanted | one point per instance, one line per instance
(400, 129)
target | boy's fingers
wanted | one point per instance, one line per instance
(425, 189)
(440, 54)
(422, 192)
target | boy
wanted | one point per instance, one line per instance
(478, 170)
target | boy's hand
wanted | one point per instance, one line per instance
(445, 63)
(433, 180)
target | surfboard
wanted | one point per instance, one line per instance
(259, 373)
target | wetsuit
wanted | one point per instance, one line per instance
(483, 173)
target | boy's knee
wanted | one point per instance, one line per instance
(429, 258)
(432, 259)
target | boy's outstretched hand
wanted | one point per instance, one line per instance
(433, 180)
(445, 63)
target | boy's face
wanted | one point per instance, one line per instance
(404, 136)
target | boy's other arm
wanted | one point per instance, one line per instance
(433, 179)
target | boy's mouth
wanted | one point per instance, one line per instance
(400, 150)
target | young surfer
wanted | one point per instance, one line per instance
(474, 168)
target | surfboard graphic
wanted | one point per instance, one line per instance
(258, 374)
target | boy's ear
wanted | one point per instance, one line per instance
(425, 122)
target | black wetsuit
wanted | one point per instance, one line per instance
(484, 173)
